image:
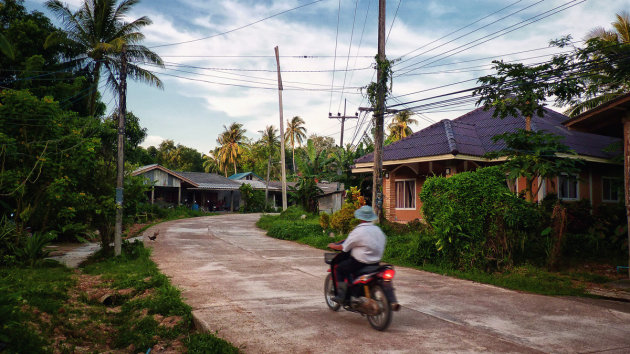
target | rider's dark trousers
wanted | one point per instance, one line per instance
(346, 267)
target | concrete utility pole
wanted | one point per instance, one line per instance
(377, 174)
(122, 109)
(343, 118)
(284, 173)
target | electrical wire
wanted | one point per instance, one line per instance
(335, 60)
(496, 34)
(400, 59)
(345, 74)
(235, 29)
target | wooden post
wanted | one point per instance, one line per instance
(377, 174)
(626, 176)
(284, 173)
(121, 152)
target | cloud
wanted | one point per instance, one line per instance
(152, 140)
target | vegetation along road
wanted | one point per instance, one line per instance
(266, 295)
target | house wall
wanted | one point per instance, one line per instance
(162, 179)
(330, 203)
(590, 184)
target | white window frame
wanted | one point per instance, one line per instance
(619, 192)
(577, 187)
(396, 193)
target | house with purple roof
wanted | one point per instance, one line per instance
(452, 146)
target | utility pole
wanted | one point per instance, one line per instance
(377, 174)
(343, 118)
(284, 173)
(121, 152)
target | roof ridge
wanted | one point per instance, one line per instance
(450, 136)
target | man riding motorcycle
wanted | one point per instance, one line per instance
(365, 244)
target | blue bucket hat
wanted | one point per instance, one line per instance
(365, 213)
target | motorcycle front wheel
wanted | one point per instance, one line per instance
(329, 293)
(381, 321)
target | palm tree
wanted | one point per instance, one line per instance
(99, 31)
(399, 127)
(270, 141)
(607, 81)
(6, 48)
(295, 133)
(230, 142)
(211, 162)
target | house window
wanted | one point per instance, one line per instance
(568, 187)
(406, 194)
(611, 189)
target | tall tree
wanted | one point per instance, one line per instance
(230, 142)
(399, 127)
(271, 141)
(97, 32)
(296, 132)
(211, 161)
(606, 59)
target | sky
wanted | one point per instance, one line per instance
(327, 51)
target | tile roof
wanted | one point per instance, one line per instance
(471, 134)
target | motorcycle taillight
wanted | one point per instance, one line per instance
(389, 274)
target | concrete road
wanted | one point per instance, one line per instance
(266, 296)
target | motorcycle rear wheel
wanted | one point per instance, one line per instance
(381, 321)
(329, 293)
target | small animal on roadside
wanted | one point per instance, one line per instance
(155, 235)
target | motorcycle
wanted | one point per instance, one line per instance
(371, 291)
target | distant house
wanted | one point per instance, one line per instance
(329, 201)
(209, 190)
(453, 146)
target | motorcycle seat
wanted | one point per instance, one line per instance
(371, 268)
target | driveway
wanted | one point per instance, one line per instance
(266, 296)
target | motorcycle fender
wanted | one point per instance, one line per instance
(388, 288)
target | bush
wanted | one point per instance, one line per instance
(294, 230)
(476, 219)
(254, 199)
(324, 221)
(343, 220)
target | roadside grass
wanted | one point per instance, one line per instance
(112, 304)
(410, 249)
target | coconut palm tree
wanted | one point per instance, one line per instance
(296, 132)
(271, 141)
(399, 127)
(608, 51)
(211, 162)
(99, 31)
(230, 145)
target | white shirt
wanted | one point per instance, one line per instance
(366, 243)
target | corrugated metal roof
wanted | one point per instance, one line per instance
(471, 134)
(209, 180)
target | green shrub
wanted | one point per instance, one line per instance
(32, 250)
(343, 220)
(293, 212)
(293, 230)
(324, 221)
(477, 221)
(254, 199)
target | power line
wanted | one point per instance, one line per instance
(335, 60)
(166, 64)
(238, 28)
(345, 74)
(461, 28)
(531, 20)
